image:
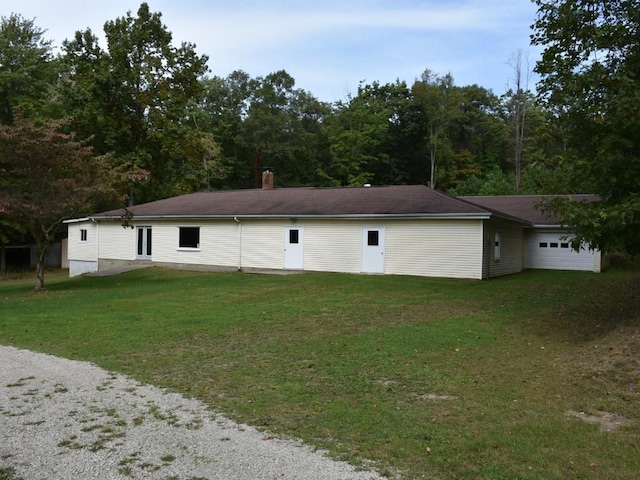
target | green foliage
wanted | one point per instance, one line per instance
(440, 102)
(175, 131)
(536, 179)
(590, 71)
(139, 91)
(27, 69)
(613, 225)
(494, 182)
(282, 129)
(357, 133)
(265, 122)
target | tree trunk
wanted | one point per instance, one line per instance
(40, 269)
(131, 200)
(3, 260)
(432, 153)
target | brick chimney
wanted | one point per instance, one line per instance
(267, 179)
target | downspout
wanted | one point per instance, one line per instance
(239, 243)
(97, 243)
(489, 246)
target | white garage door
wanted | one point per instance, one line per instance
(550, 251)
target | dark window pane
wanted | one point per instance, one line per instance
(294, 236)
(543, 244)
(553, 245)
(149, 241)
(140, 241)
(373, 239)
(189, 237)
(564, 245)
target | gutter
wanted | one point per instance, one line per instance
(78, 220)
(373, 216)
(97, 223)
(239, 243)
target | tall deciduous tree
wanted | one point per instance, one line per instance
(357, 133)
(590, 70)
(282, 128)
(223, 110)
(140, 91)
(27, 69)
(46, 177)
(477, 137)
(440, 102)
(265, 122)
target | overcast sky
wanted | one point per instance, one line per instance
(328, 46)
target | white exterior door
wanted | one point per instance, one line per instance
(373, 250)
(143, 243)
(293, 248)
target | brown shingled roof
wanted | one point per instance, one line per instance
(525, 206)
(323, 202)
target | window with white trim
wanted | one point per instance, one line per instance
(83, 235)
(496, 246)
(189, 237)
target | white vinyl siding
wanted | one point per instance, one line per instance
(438, 248)
(117, 242)
(83, 250)
(218, 244)
(424, 247)
(435, 248)
(557, 254)
(333, 246)
(263, 244)
(511, 253)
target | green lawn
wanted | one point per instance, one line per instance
(428, 378)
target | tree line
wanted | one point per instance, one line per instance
(156, 124)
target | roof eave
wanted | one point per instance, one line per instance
(77, 220)
(377, 216)
(550, 226)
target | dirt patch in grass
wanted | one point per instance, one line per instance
(608, 422)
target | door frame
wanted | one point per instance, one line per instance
(372, 257)
(293, 256)
(144, 243)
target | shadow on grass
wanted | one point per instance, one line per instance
(596, 312)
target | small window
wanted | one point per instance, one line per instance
(373, 238)
(83, 235)
(543, 245)
(294, 236)
(553, 244)
(496, 246)
(564, 245)
(189, 237)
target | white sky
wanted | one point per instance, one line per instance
(328, 46)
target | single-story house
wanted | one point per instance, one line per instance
(409, 230)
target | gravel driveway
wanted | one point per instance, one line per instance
(62, 419)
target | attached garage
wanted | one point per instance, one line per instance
(546, 242)
(551, 250)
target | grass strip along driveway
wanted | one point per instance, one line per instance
(529, 376)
